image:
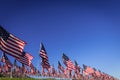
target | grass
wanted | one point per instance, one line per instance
(23, 79)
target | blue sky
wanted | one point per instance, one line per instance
(87, 31)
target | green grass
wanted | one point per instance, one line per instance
(22, 79)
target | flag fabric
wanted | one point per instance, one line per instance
(60, 66)
(26, 58)
(84, 66)
(88, 69)
(44, 58)
(6, 60)
(11, 44)
(84, 70)
(84, 73)
(32, 71)
(77, 68)
(97, 73)
(76, 64)
(68, 62)
(53, 70)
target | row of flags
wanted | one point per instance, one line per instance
(13, 46)
(73, 70)
(17, 70)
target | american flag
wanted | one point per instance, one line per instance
(53, 70)
(11, 44)
(97, 73)
(60, 66)
(6, 60)
(88, 69)
(84, 73)
(26, 58)
(68, 62)
(77, 68)
(32, 71)
(44, 57)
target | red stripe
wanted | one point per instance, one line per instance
(9, 52)
(70, 65)
(61, 68)
(10, 47)
(42, 56)
(4, 48)
(42, 53)
(45, 62)
(17, 39)
(16, 45)
(26, 59)
(16, 42)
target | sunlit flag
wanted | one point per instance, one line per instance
(88, 69)
(84, 73)
(77, 68)
(32, 71)
(68, 62)
(11, 44)
(26, 58)
(60, 66)
(53, 70)
(44, 57)
(97, 73)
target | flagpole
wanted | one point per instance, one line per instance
(39, 57)
(11, 73)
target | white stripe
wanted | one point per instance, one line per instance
(16, 52)
(9, 52)
(19, 46)
(15, 43)
(12, 36)
(26, 59)
(7, 44)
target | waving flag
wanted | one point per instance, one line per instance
(44, 57)
(84, 66)
(11, 44)
(88, 69)
(26, 58)
(60, 66)
(77, 68)
(68, 62)
(97, 72)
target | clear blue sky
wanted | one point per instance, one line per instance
(87, 31)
